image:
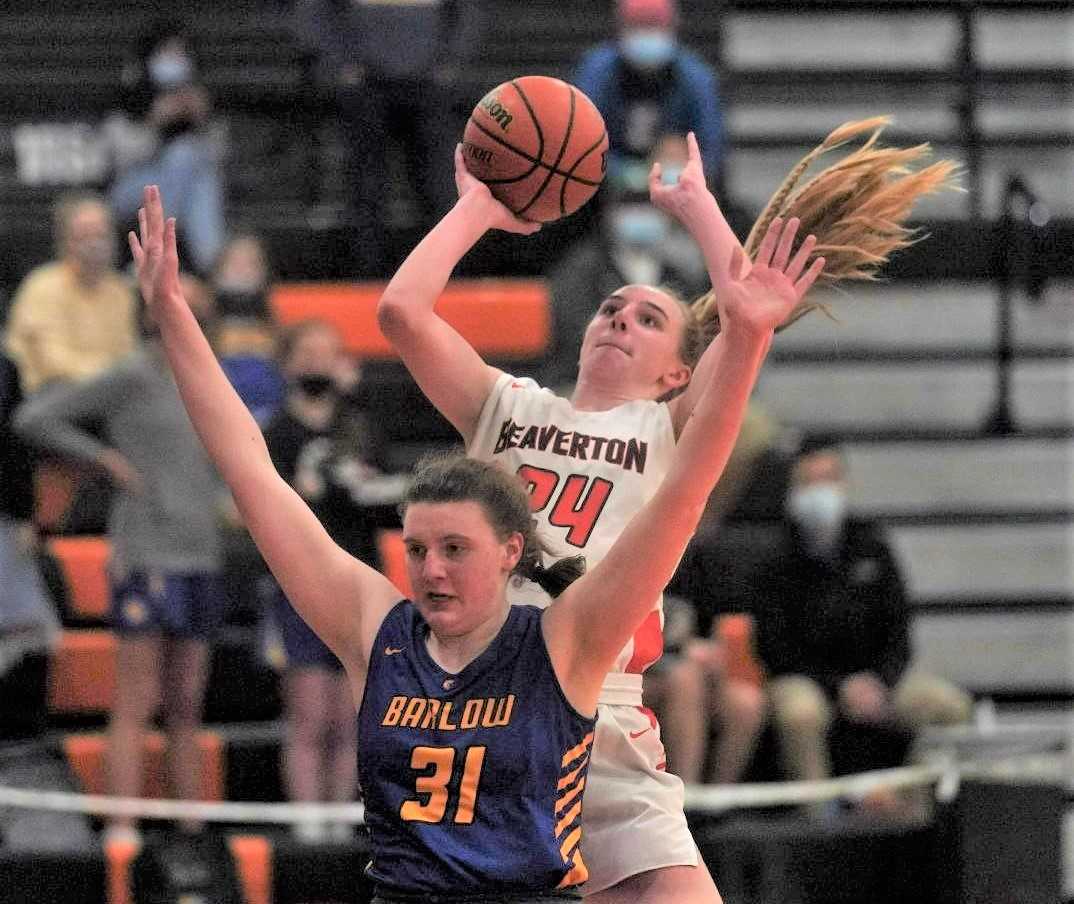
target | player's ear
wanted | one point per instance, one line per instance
(678, 376)
(512, 550)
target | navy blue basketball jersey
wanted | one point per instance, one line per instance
(472, 782)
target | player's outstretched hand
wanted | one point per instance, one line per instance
(688, 197)
(156, 258)
(776, 283)
(499, 216)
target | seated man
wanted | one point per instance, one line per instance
(832, 626)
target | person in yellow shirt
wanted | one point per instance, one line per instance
(75, 316)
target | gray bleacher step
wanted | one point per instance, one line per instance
(1014, 562)
(991, 475)
(990, 652)
(909, 395)
(941, 317)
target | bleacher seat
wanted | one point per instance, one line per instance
(500, 318)
(86, 754)
(393, 559)
(252, 855)
(83, 562)
(82, 674)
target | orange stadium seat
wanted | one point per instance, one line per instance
(82, 676)
(736, 632)
(83, 562)
(86, 755)
(252, 855)
(393, 559)
(499, 317)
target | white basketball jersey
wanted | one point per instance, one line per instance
(588, 473)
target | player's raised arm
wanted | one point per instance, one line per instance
(692, 204)
(449, 371)
(589, 624)
(343, 599)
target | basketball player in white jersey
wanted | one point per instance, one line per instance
(590, 462)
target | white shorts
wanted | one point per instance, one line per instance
(632, 817)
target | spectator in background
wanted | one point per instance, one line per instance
(634, 243)
(391, 69)
(164, 136)
(647, 85)
(165, 539)
(245, 338)
(709, 717)
(316, 448)
(74, 317)
(28, 623)
(833, 630)
(242, 278)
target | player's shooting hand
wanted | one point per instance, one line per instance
(497, 214)
(776, 283)
(156, 258)
(687, 199)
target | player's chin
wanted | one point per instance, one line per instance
(441, 611)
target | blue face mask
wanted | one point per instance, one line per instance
(669, 175)
(642, 226)
(170, 70)
(648, 48)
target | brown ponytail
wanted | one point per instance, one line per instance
(455, 478)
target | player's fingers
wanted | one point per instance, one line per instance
(794, 269)
(655, 178)
(136, 248)
(169, 236)
(803, 285)
(768, 243)
(143, 226)
(693, 148)
(786, 241)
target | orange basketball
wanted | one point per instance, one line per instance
(539, 144)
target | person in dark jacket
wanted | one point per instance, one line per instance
(833, 625)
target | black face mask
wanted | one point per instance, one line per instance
(316, 385)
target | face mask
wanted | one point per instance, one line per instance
(169, 70)
(819, 510)
(669, 175)
(316, 386)
(648, 48)
(95, 254)
(642, 226)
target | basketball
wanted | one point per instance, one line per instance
(539, 144)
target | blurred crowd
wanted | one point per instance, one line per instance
(788, 643)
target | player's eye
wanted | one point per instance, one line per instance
(415, 551)
(609, 308)
(648, 320)
(454, 550)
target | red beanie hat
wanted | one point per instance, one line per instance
(647, 13)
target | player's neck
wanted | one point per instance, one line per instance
(453, 654)
(594, 394)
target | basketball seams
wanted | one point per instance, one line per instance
(525, 183)
(530, 159)
(552, 170)
(569, 175)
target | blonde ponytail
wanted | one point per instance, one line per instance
(857, 208)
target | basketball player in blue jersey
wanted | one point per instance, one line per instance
(476, 717)
(592, 460)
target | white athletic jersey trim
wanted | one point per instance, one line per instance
(588, 471)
